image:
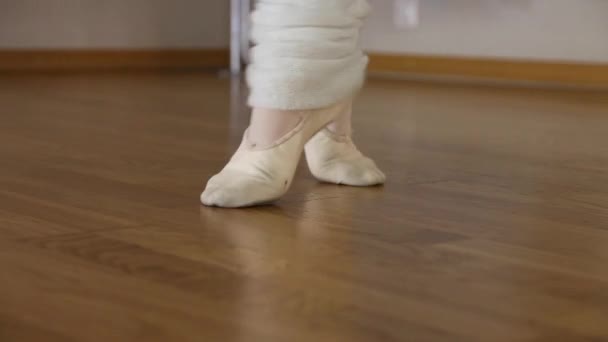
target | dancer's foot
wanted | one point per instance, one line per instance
(333, 157)
(262, 169)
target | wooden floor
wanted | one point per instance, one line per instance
(493, 225)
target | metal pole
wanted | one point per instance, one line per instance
(235, 36)
(245, 27)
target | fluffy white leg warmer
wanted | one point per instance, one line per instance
(306, 54)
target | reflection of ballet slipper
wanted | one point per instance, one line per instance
(262, 175)
(335, 159)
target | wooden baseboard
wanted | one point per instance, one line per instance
(572, 74)
(105, 59)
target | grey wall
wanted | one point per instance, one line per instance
(113, 23)
(574, 30)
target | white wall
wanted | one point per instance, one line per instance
(572, 30)
(113, 23)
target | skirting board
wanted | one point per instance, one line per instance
(560, 73)
(107, 59)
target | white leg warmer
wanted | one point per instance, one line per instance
(306, 53)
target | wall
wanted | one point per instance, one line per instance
(568, 30)
(572, 30)
(113, 23)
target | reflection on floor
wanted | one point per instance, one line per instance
(493, 224)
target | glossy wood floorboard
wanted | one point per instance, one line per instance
(493, 225)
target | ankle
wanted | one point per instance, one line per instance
(341, 126)
(269, 125)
